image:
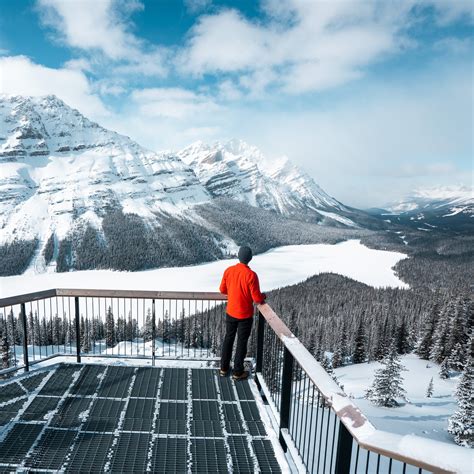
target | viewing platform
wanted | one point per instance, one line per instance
(127, 381)
(106, 418)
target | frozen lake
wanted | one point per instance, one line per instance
(276, 268)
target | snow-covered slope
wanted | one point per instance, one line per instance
(240, 171)
(58, 167)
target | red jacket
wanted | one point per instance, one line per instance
(241, 285)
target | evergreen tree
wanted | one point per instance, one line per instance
(380, 348)
(86, 335)
(37, 330)
(458, 330)
(387, 384)
(360, 345)
(444, 369)
(148, 329)
(11, 328)
(120, 329)
(403, 343)
(166, 332)
(31, 328)
(57, 339)
(429, 323)
(110, 339)
(461, 424)
(6, 355)
(326, 364)
(457, 358)
(44, 333)
(439, 350)
(429, 389)
(337, 358)
(67, 331)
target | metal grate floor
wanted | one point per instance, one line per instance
(99, 418)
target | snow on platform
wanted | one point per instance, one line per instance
(78, 418)
(276, 268)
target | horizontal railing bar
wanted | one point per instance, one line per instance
(180, 295)
(361, 429)
(26, 298)
(172, 295)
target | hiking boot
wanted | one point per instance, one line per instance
(240, 375)
(223, 373)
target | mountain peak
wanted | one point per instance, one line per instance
(240, 171)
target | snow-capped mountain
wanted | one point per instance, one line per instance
(240, 171)
(57, 167)
(446, 200)
(443, 208)
(64, 178)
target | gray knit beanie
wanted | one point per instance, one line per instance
(245, 255)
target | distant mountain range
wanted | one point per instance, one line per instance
(445, 208)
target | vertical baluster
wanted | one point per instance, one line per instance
(25, 338)
(259, 354)
(344, 450)
(286, 387)
(78, 330)
(153, 332)
(333, 441)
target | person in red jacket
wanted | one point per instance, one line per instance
(242, 288)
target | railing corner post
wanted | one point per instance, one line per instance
(286, 389)
(25, 338)
(344, 450)
(78, 329)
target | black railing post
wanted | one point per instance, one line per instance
(286, 388)
(25, 338)
(260, 334)
(259, 351)
(153, 332)
(344, 450)
(78, 329)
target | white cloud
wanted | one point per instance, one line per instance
(172, 103)
(224, 42)
(303, 46)
(90, 24)
(19, 75)
(101, 27)
(197, 6)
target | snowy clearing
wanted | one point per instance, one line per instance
(426, 417)
(276, 268)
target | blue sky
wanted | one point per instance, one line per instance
(373, 98)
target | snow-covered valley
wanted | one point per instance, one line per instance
(276, 268)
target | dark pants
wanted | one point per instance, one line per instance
(243, 328)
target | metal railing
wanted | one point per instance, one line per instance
(318, 425)
(109, 323)
(322, 428)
